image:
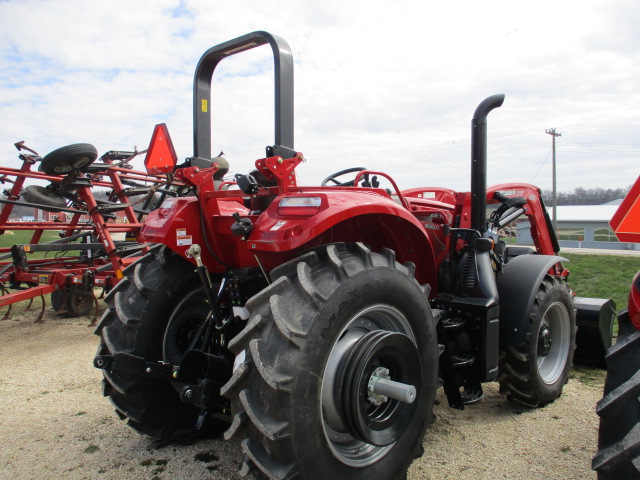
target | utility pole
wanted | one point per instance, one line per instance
(552, 132)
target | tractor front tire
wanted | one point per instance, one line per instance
(330, 320)
(139, 309)
(535, 373)
(619, 410)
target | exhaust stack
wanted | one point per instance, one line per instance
(479, 161)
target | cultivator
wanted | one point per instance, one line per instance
(97, 232)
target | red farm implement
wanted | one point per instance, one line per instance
(97, 233)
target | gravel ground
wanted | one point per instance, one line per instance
(54, 423)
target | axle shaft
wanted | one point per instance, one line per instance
(391, 389)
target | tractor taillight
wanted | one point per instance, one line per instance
(299, 205)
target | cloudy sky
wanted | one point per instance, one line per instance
(390, 86)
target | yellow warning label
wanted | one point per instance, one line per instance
(205, 105)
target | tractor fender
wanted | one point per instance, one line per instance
(351, 216)
(282, 229)
(517, 287)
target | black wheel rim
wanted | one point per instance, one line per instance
(346, 446)
(184, 326)
(375, 421)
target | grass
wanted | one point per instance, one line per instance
(23, 237)
(591, 376)
(602, 276)
(20, 237)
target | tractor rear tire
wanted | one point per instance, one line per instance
(139, 308)
(619, 410)
(293, 399)
(535, 373)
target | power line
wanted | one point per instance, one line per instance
(542, 165)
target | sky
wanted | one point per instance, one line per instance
(390, 86)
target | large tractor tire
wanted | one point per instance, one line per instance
(140, 307)
(330, 322)
(535, 373)
(619, 410)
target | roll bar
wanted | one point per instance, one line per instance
(283, 73)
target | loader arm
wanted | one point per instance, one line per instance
(542, 232)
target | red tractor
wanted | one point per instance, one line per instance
(316, 323)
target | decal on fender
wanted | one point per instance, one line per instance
(278, 225)
(182, 239)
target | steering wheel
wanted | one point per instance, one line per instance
(332, 177)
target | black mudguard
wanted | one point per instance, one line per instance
(517, 287)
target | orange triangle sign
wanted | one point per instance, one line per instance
(161, 156)
(626, 221)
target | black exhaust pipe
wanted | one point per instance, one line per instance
(479, 161)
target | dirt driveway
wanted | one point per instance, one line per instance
(54, 423)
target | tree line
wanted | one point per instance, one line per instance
(586, 196)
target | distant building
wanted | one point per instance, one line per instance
(582, 226)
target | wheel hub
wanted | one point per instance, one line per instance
(342, 439)
(545, 340)
(375, 398)
(375, 414)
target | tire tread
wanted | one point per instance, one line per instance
(282, 311)
(618, 454)
(515, 377)
(134, 323)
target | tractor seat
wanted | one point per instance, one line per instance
(203, 163)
